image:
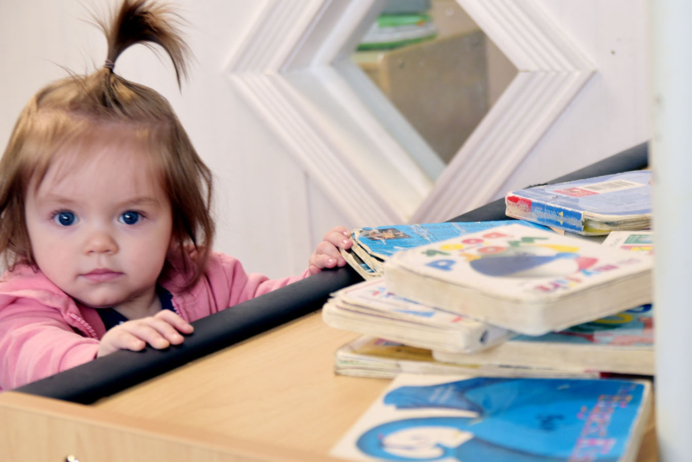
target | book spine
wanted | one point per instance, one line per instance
(544, 214)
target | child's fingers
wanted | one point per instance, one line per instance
(175, 320)
(325, 248)
(322, 261)
(329, 252)
(343, 231)
(119, 339)
(162, 334)
(338, 239)
(153, 331)
(159, 331)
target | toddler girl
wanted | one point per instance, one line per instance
(105, 219)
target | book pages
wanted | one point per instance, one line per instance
(622, 343)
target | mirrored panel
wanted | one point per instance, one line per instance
(437, 68)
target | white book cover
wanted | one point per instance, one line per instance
(527, 280)
(443, 418)
(376, 307)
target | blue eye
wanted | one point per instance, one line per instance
(129, 217)
(65, 218)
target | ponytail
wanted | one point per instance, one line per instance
(141, 22)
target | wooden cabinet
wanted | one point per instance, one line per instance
(272, 398)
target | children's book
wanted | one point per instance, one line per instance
(623, 344)
(373, 246)
(438, 418)
(384, 359)
(365, 271)
(523, 279)
(368, 308)
(591, 207)
(636, 241)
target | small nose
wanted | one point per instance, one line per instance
(100, 242)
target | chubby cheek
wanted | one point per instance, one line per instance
(57, 263)
(147, 256)
(56, 254)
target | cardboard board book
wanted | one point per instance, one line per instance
(592, 206)
(622, 344)
(369, 309)
(426, 418)
(523, 279)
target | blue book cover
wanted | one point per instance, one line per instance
(385, 241)
(592, 206)
(427, 418)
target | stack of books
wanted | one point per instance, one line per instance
(519, 325)
(401, 23)
(508, 294)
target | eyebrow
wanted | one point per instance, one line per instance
(57, 199)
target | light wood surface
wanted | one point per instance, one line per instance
(279, 387)
(273, 397)
(36, 429)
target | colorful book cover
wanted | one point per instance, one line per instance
(635, 241)
(385, 241)
(592, 206)
(523, 279)
(427, 418)
(371, 302)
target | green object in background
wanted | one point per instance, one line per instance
(396, 30)
(398, 20)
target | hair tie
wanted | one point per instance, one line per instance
(109, 65)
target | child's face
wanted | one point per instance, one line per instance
(100, 228)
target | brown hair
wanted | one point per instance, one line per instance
(67, 109)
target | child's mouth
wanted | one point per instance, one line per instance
(101, 275)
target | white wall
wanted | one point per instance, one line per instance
(611, 113)
(269, 213)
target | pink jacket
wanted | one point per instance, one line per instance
(43, 331)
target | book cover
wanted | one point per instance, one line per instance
(622, 343)
(526, 280)
(379, 358)
(591, 207)
(368, 308)
(428, 418)
(373, 246)
(385, 241)
(636, 241)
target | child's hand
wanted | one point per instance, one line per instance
(158, 331)
(327, 254)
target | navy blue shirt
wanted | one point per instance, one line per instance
(112, 318)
